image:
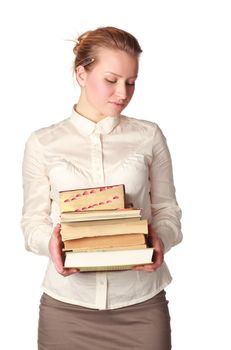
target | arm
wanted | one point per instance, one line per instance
(165, 228)
(166, 213)
(37, 226)
(36, 222)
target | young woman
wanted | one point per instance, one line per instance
(98, 146)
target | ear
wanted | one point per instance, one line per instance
(81, 75)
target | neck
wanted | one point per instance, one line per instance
(88, 112)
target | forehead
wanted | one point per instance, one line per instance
(117, 61)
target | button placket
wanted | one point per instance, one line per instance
(97, 159)
(101, 290)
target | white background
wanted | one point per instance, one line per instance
(185, 86)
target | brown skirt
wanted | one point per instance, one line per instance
(143, 326)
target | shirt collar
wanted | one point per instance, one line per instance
(87, 127)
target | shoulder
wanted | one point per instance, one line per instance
(140, 125)
(51, 133)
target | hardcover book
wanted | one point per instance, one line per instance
(105, 242)
(98, 198)
(109, 260)
(106, 214)
(73, 230)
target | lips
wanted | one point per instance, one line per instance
(117, 104)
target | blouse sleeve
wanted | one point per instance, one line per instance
(166, 213)
(36, 222)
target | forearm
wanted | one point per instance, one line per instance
(166, 223)
(37, 236)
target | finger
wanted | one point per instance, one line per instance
(156, 265)
(69, 271)
(147, 268)
(151, 267)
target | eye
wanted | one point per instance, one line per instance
(110, 81)
(131, 84)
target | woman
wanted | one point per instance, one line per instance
(98, 146)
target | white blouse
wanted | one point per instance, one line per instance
(78, 153)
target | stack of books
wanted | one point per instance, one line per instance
(99, 233)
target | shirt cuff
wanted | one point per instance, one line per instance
(38, 240)
(169, 235)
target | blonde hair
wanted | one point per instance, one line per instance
(88, 45)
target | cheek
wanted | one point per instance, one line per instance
(130, 93)
(99, 90)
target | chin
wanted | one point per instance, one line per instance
(114, 114)
(114, 111)
(110, 113)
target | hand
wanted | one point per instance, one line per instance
(158, 255)
(55, 249)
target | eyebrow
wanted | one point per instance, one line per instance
(120, 75)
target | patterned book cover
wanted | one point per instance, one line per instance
(97, 198)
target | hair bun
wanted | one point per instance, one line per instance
(79, 41)
(75, 49)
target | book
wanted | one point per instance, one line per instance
(102, 242)
(108, 260)
(106, 214)
(97, 198)
(73, 230)
(137, 246)
(99, 233)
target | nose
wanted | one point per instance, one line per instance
(121, 91)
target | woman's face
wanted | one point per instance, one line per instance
(109, 86)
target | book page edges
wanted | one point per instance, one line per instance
(113, 258)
